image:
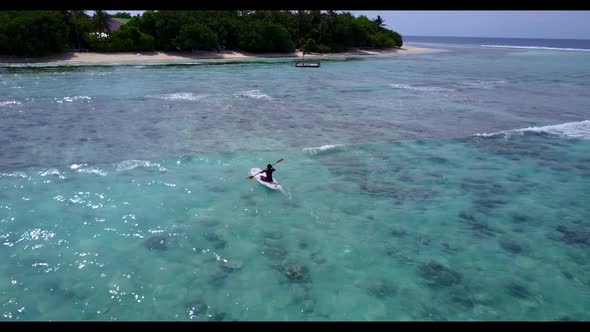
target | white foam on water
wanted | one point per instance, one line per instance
(566, 130)
(539, 48)
(483, 84)
(324, 148)
(92, 170)
(254, 94)
(67, 99)
(14, 175)
(189, 96)
(76, 166)
(128, 165)
(420, 88)
(12, 102)
(50, 172)
(36, 234)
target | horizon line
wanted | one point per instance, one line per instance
(404, 35)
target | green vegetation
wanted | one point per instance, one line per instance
(129, 38)
(100, 21)
(34, 33)
(195, 36)
(122, 15)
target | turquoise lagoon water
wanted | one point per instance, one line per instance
(440, 186)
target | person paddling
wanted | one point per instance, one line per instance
(269, 170)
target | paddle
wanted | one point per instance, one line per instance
(252, 176)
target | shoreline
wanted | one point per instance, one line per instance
(144, 57)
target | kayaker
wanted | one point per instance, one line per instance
(269, 170)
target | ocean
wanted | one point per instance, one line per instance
(450, 185)
(579, 45)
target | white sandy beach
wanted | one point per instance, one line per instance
(90, 57)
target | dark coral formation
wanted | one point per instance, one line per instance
(317, 258)
(398, 254)
(230, 266)
(381, 289)
(274, 249)
(218, 277)
(196, 308)
(296, 273)
(517, 290)
(216, 239)
(437, 275)
(477, 226)
(488, 204)
(398, 231)
(510, 245)
(575, 236)
(157, 242)
(273, 235)
(519, 218)
(218, 316)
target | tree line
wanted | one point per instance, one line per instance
(36, 33)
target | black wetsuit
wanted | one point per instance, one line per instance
(268, 177)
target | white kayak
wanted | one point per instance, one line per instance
(272, 185)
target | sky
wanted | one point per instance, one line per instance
(507, 24)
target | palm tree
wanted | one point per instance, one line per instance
(304, 21)
(324, 29)
(380, 22)
(74, 15)
(101, 21)
(71, 17)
